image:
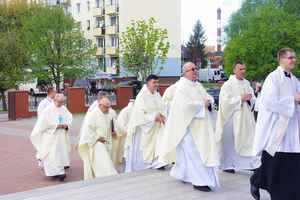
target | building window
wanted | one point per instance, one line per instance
(68, 9)
(114, 21)
(88, 43)
(101, 64)
(88, 6)
(78, 8)
(100, 23)
(113, 2)
(88, 25)
(101, 42)
(79, 26)
(114, 41)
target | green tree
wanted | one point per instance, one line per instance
(13, 58)
(269, 29)
(143, 49)
(195, 46)
(57, 46)
(13, 54)
(14, 12)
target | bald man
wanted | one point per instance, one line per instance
(50, 137)
(95, 144)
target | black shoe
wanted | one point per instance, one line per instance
(183, 181)
(202, 188)
(254, 192)
(66, 167)
(229, 171)
(62, 177)
(161, 168)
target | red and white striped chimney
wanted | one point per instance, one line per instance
(219, 30)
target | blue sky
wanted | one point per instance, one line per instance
(206, 12)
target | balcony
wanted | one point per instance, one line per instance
(112, 50)
(100, 51)
(112, 30)
(112, 9)
(112, 70)
(98, 12)
(98, 31)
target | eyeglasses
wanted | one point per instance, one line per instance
(291, 57)
(193, 69)
(105, 106)
(59, 101)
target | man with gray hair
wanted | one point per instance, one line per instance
(101, 95)
(189, 139)
(50, 137)
(96, 144)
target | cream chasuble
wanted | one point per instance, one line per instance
(187, 101)
(91, 108)
(95, 154)
(168, 96)
(52, 144)
(121, 127)
(243, 120)
(146, 107)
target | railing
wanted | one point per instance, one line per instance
(35, 100)
(92, 96)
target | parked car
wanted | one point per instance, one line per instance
(137, 86)
(215, 93)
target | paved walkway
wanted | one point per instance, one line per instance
(21, 178)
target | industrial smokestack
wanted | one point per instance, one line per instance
(219, 30)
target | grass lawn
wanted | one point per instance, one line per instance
(83, 113)
(209, 85)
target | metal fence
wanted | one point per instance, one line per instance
(89, 99)
(35, 100)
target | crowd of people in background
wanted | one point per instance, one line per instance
(176, 131)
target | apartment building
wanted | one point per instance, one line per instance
(103, 22)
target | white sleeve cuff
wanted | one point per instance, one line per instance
(147, 127)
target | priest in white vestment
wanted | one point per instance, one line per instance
(168, 97)
(95, 143)
(189, 139)
(235, 123)
(50, 137)
(95, 104)
(145, 130)
(51, 92)
(277, 133)
(121, 128)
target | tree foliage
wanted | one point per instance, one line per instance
(256, 38)
(143, 49)
(13, 54)
(56, 46)
(195, 45)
